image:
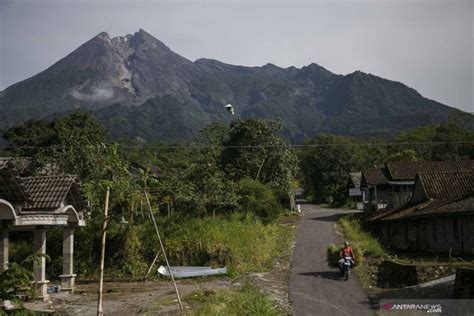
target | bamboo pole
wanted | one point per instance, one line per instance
(100, 310)
(152, 264)
(164, 252)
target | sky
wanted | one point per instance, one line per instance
(426, 44)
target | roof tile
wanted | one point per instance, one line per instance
(407, 170)
(374, 176)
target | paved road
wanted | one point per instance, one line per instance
(314, 288)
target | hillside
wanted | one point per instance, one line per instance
(138, 87)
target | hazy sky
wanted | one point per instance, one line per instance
(427, 45)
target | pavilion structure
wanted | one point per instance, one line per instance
(36, 203)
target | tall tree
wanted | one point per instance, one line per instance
(75, 144)
(254, 150)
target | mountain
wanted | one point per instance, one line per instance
(139, 88)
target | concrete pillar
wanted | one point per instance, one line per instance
(68, 276)
(39, 266)
(3, 246)
(6, 304)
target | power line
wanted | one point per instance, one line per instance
(323, 116)
(467, 142)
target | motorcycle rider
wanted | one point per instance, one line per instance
(346, 251)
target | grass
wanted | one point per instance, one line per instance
(371, 254)
(367, 249)
(242, 244)
(359, 238)
(247, 299)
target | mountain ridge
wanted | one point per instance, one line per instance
(137, 78)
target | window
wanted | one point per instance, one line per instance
(455, 229)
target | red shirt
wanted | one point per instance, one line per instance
(347, 251)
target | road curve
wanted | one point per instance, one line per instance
(315, 288)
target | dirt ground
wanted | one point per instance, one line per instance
(158, 297)
(127, 298)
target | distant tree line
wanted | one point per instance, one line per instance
(326, 165)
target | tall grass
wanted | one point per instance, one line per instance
(242, 244)
(364, 245)
(354, 232)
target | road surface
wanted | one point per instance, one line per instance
(315, 288)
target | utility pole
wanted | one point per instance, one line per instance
(100, 310)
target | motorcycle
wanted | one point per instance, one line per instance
(346, 267)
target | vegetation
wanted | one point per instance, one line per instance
(326, 164)
(359, 237)
(244, 300)
(13, 280)
(455, 140)
(367, 249)
(253, 150)
(211, 205)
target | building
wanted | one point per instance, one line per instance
(438, 218)
(391, 186)
(353, 186)
(375, 189)
(35, 204)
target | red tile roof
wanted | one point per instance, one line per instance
(446, 194)
(44, 192)
(447, 185)
(373, 176)
(464, 204)
(47, 192)
(407, 170)
(11, 187)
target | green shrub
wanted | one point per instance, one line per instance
(12, 280)
(259, 199)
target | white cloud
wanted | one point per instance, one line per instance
(98, 94)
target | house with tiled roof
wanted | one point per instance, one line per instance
(392, 185)
(375, 189)
(438, 218)
(34, 204)
(353, 187)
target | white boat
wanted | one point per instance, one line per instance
(187, 272)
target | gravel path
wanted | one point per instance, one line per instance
(314, 287)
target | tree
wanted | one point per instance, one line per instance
(327, 162)
(253, 150)
(75, 144)
(257, 198)
(403, 155)
(448, 141)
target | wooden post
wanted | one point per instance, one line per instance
(152, 264)
(163, 250)
(260, 169)
(100, 310)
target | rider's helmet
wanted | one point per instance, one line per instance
(346, 244)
